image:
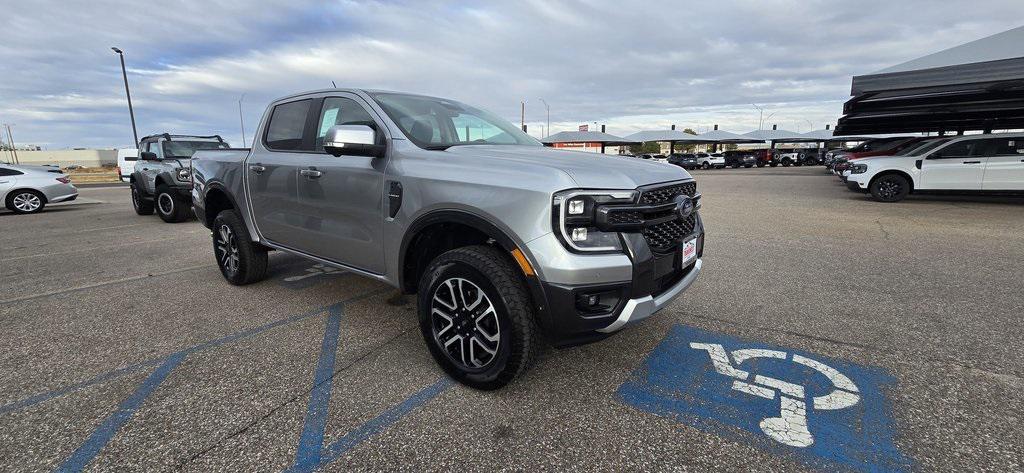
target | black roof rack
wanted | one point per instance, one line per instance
(168, 137)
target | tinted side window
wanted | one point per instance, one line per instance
(340, 111)
(962, 149)
(10, 172)
(1005, 147)
(287, 126)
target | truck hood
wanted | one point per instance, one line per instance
(589, 170)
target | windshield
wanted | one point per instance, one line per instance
(922, 148)
(185, 149)
(434, 123)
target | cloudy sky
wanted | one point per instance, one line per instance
(629, 64)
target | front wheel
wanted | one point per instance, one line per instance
(26, 201)
(240, 260)
(169, 206)
(705, 166)
(476, 317)
(889, 188)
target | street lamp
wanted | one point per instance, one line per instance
(127, 93)
(548, 107)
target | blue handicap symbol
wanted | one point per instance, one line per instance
(823, 410)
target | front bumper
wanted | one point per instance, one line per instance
(631, 286)
(643, 307)
(855, 185)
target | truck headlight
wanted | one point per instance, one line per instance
(184, 175)
(858, 169)
(573, 219)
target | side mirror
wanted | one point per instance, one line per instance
(148, 156)
(352, 140)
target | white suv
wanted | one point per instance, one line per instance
(962, 164)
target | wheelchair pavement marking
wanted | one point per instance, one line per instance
(312, 440)
(106, 430)
(376, 425)
(112, 374)
(823, 411)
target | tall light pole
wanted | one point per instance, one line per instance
(522, 116)
(760, 117)
(548, 107)
(240, 122)
(124, 73)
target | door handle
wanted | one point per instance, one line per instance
(256, 168)
(145, 169)
(972, 162)
(311, 173)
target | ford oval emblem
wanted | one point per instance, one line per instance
(684, 206)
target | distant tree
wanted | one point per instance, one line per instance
(648, 147)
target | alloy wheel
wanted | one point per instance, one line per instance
(227, 249)
(27, 202)
(166, 204)
(465, 323)
(889, 189)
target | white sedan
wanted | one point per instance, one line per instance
(27, 189)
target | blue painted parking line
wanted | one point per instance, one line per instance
(376, 425)
(312, 440)
(825, 411)
(116, 373)
(109, 427)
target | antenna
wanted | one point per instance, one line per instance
(335, 85)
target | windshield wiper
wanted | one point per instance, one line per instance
(438, 147)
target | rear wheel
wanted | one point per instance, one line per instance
(476, 317)
(889, 188)
(706, 165)
(170, 206)
(26, 201)
(240, 260)
(142, 206)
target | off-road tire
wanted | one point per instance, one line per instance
(491, 271)
(25, 201)
(169, 206)
(889, 188)
(251, 263)
(141, 205)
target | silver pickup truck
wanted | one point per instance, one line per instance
(507, 243)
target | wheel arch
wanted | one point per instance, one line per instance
(442, 230)
(217, 199)
(13, 192)
(888, 172)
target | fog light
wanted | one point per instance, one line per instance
(579, 234)
(576, 207)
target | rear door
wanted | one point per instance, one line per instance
(341, 198)
(272, 173)
(8, 178)
(1005, 168)
(957, 166)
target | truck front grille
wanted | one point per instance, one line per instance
(665, 237)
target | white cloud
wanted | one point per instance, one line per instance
(630, 64)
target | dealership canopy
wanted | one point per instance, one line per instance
(721, 136)
(776, 136)
(974, 86)
(671, 136)
(585, 137)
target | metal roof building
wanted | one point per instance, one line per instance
(585, 137)
(975, 86)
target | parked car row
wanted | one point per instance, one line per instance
(976, 164)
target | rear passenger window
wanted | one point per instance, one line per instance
(9, 172)
(1007, 147)
(287, 126)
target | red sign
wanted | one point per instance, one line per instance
(584, 127)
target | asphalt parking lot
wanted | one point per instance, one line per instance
(123, 348)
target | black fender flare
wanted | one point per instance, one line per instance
(477, 222)
(139, 180)
(219, 187)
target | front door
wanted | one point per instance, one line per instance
(957, 166)
(342, 198)
(1005, 168)
(272, 174)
